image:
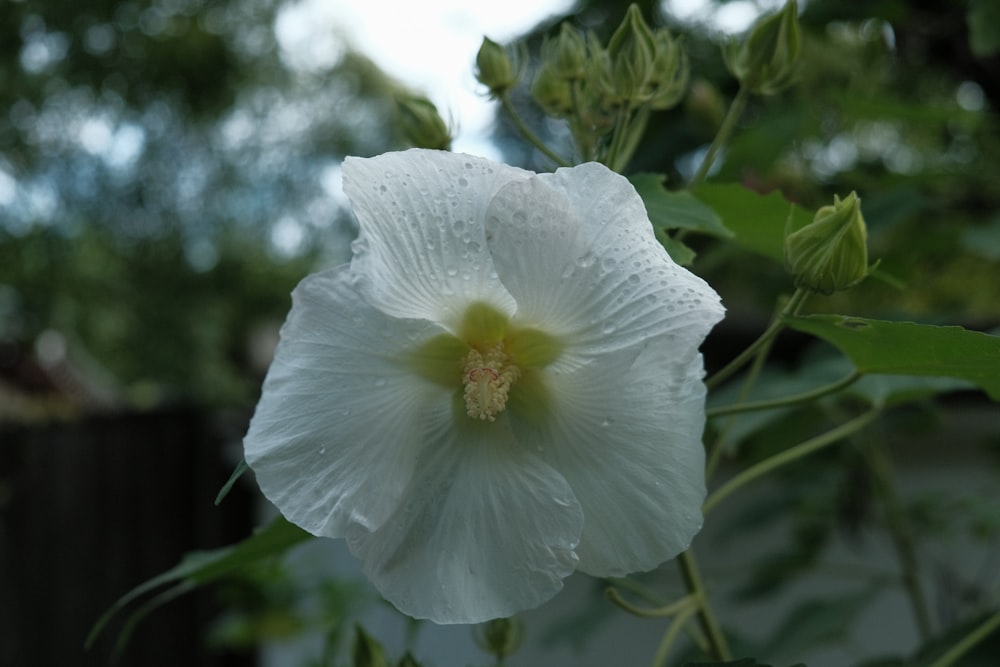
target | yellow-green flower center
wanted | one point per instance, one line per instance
(492, 364)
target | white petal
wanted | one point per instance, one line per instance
(627, 438)
(486, 530)
(422, 243)
(333, 440)
(576, 251)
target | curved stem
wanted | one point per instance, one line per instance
(777, 324)
(526, 132)
(981, 632)
(706, 619)
(660, 658)
(792, 454)
(614, 596)
(804, 397)
(723, 135)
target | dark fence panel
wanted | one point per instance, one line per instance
(91, 508)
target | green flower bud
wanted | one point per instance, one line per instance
(552, 92)
(632, 51)
(500, 637)
(494, 68)
(566, 54)
(830, 253)
(367, 652)
(671, 71)
(765, 62)
(421, 123)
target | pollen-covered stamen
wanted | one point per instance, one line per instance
(487, 376)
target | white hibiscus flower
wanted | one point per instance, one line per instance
(502, 386)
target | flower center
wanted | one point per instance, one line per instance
(487, 375)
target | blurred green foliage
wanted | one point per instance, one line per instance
(168, 172)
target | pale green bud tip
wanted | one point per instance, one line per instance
(566, 54)
(421, 123)
(367, 652)
(766, 61)
(500, 637)
(494, 68)
(632, 51)
(830, 253)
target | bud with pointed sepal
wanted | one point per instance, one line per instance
(830, 253)
(421, 123)
(494, 68)
(765, 62)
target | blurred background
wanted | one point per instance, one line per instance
(169, 170)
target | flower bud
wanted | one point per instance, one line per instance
(566, 54)
(552, 92)
(632, 50)
(831, 252)
(500, 637)
(367, 652)
(421, 123)
(765, 62)
(670, 73)
(494, 68)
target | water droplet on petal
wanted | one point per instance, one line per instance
(379, 382)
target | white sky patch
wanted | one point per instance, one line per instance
(429, 45)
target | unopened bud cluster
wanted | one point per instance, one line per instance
(593, 85)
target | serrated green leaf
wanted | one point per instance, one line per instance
(909, 348)
(758, 221)
(677, 210)
(201, 567)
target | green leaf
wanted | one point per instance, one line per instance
(679, 251)
(677, 210)
(758, 221)
(909, 348)
(202, 567)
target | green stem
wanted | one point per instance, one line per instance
(784, 401)
(706, 619)
(981, 632)
(777, 324)
(789, 455)
(614, 596)
(902, 536)
(670, 636)
(617, 136)
(720, 441)
(723, 135)
(526, 132)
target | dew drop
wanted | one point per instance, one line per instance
(607, 421)
(463, 182)
(608, 328)
(379, 382)
(634, 278)
(451, 271)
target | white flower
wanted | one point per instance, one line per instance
(502, 387)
